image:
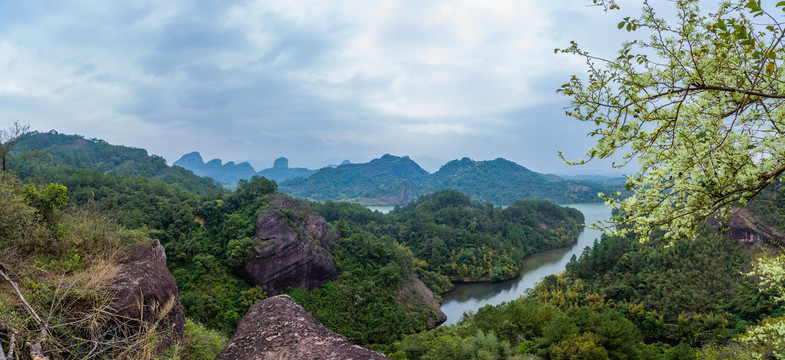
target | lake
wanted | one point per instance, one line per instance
(472, 296)
(380, 208)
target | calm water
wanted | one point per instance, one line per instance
(470, 297)
(380, 208)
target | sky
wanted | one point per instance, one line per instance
(314, 81)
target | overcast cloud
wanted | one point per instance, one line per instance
(314, 81)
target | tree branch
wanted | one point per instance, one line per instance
(36, 352)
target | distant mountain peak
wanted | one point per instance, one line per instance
(192, 158)
(228, 173)
(281, 163)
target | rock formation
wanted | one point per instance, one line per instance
(291, 248)
(746, 227)
(281, 163)
(414, 294)
(145, 289)
(229, 173)
(279, 328)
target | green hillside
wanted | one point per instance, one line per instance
(389, 180)
(55, 150)
(393, 180)
(503, 182)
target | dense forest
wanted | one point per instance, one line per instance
(206, 232)
(620, 299)
(393, 180)
(464, 240)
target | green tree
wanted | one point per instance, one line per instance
(8, 139)
(697, 101)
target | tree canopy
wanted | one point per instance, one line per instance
(8, 139)
(697, 101)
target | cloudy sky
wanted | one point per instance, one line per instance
(315, 81)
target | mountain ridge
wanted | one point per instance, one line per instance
(498, 181)
(230, 173)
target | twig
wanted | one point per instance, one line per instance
(35, 348)
(11, 347)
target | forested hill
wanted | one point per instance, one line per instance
(393, 180)
(389, 180)
(465, 240)
(502, 182)
(38, 154)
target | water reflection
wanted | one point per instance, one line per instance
(472, 296)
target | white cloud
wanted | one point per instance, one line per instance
(309, 78)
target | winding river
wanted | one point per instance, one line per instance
(472, 296)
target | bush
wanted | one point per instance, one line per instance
(200, 342)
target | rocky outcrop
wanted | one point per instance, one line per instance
(279, 328)
(229, 173)
(281, 163)
(746, 227)
(291, 248)
(145, 289)
(413, 295)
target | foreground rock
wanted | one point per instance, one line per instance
(279, 328)
(145, 289)
(291, 248)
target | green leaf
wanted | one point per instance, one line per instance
(721, 24)
(754, 6)
(781, 3)
(621, 25)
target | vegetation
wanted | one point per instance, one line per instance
(55, 150)
(463, 239)
(367, 303)
(55, 269)
(8, 140)
(503, 182)
(387, 180)
(697, 102)
(619, 300)
(392, 180)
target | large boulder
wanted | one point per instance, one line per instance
(291, 248)
(145, 289)
(279, 328)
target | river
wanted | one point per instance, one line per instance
(472, 296)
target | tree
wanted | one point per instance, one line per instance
(8, 139)
(699, 103)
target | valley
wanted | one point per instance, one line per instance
(393, 279)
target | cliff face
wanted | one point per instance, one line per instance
(746, 227)
(228, 173)
(413, 295)
(291, 249)
(279, 328)
(145, 289)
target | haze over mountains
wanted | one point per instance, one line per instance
(393, 180)
(230, 173)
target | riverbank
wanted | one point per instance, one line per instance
(468, 297)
